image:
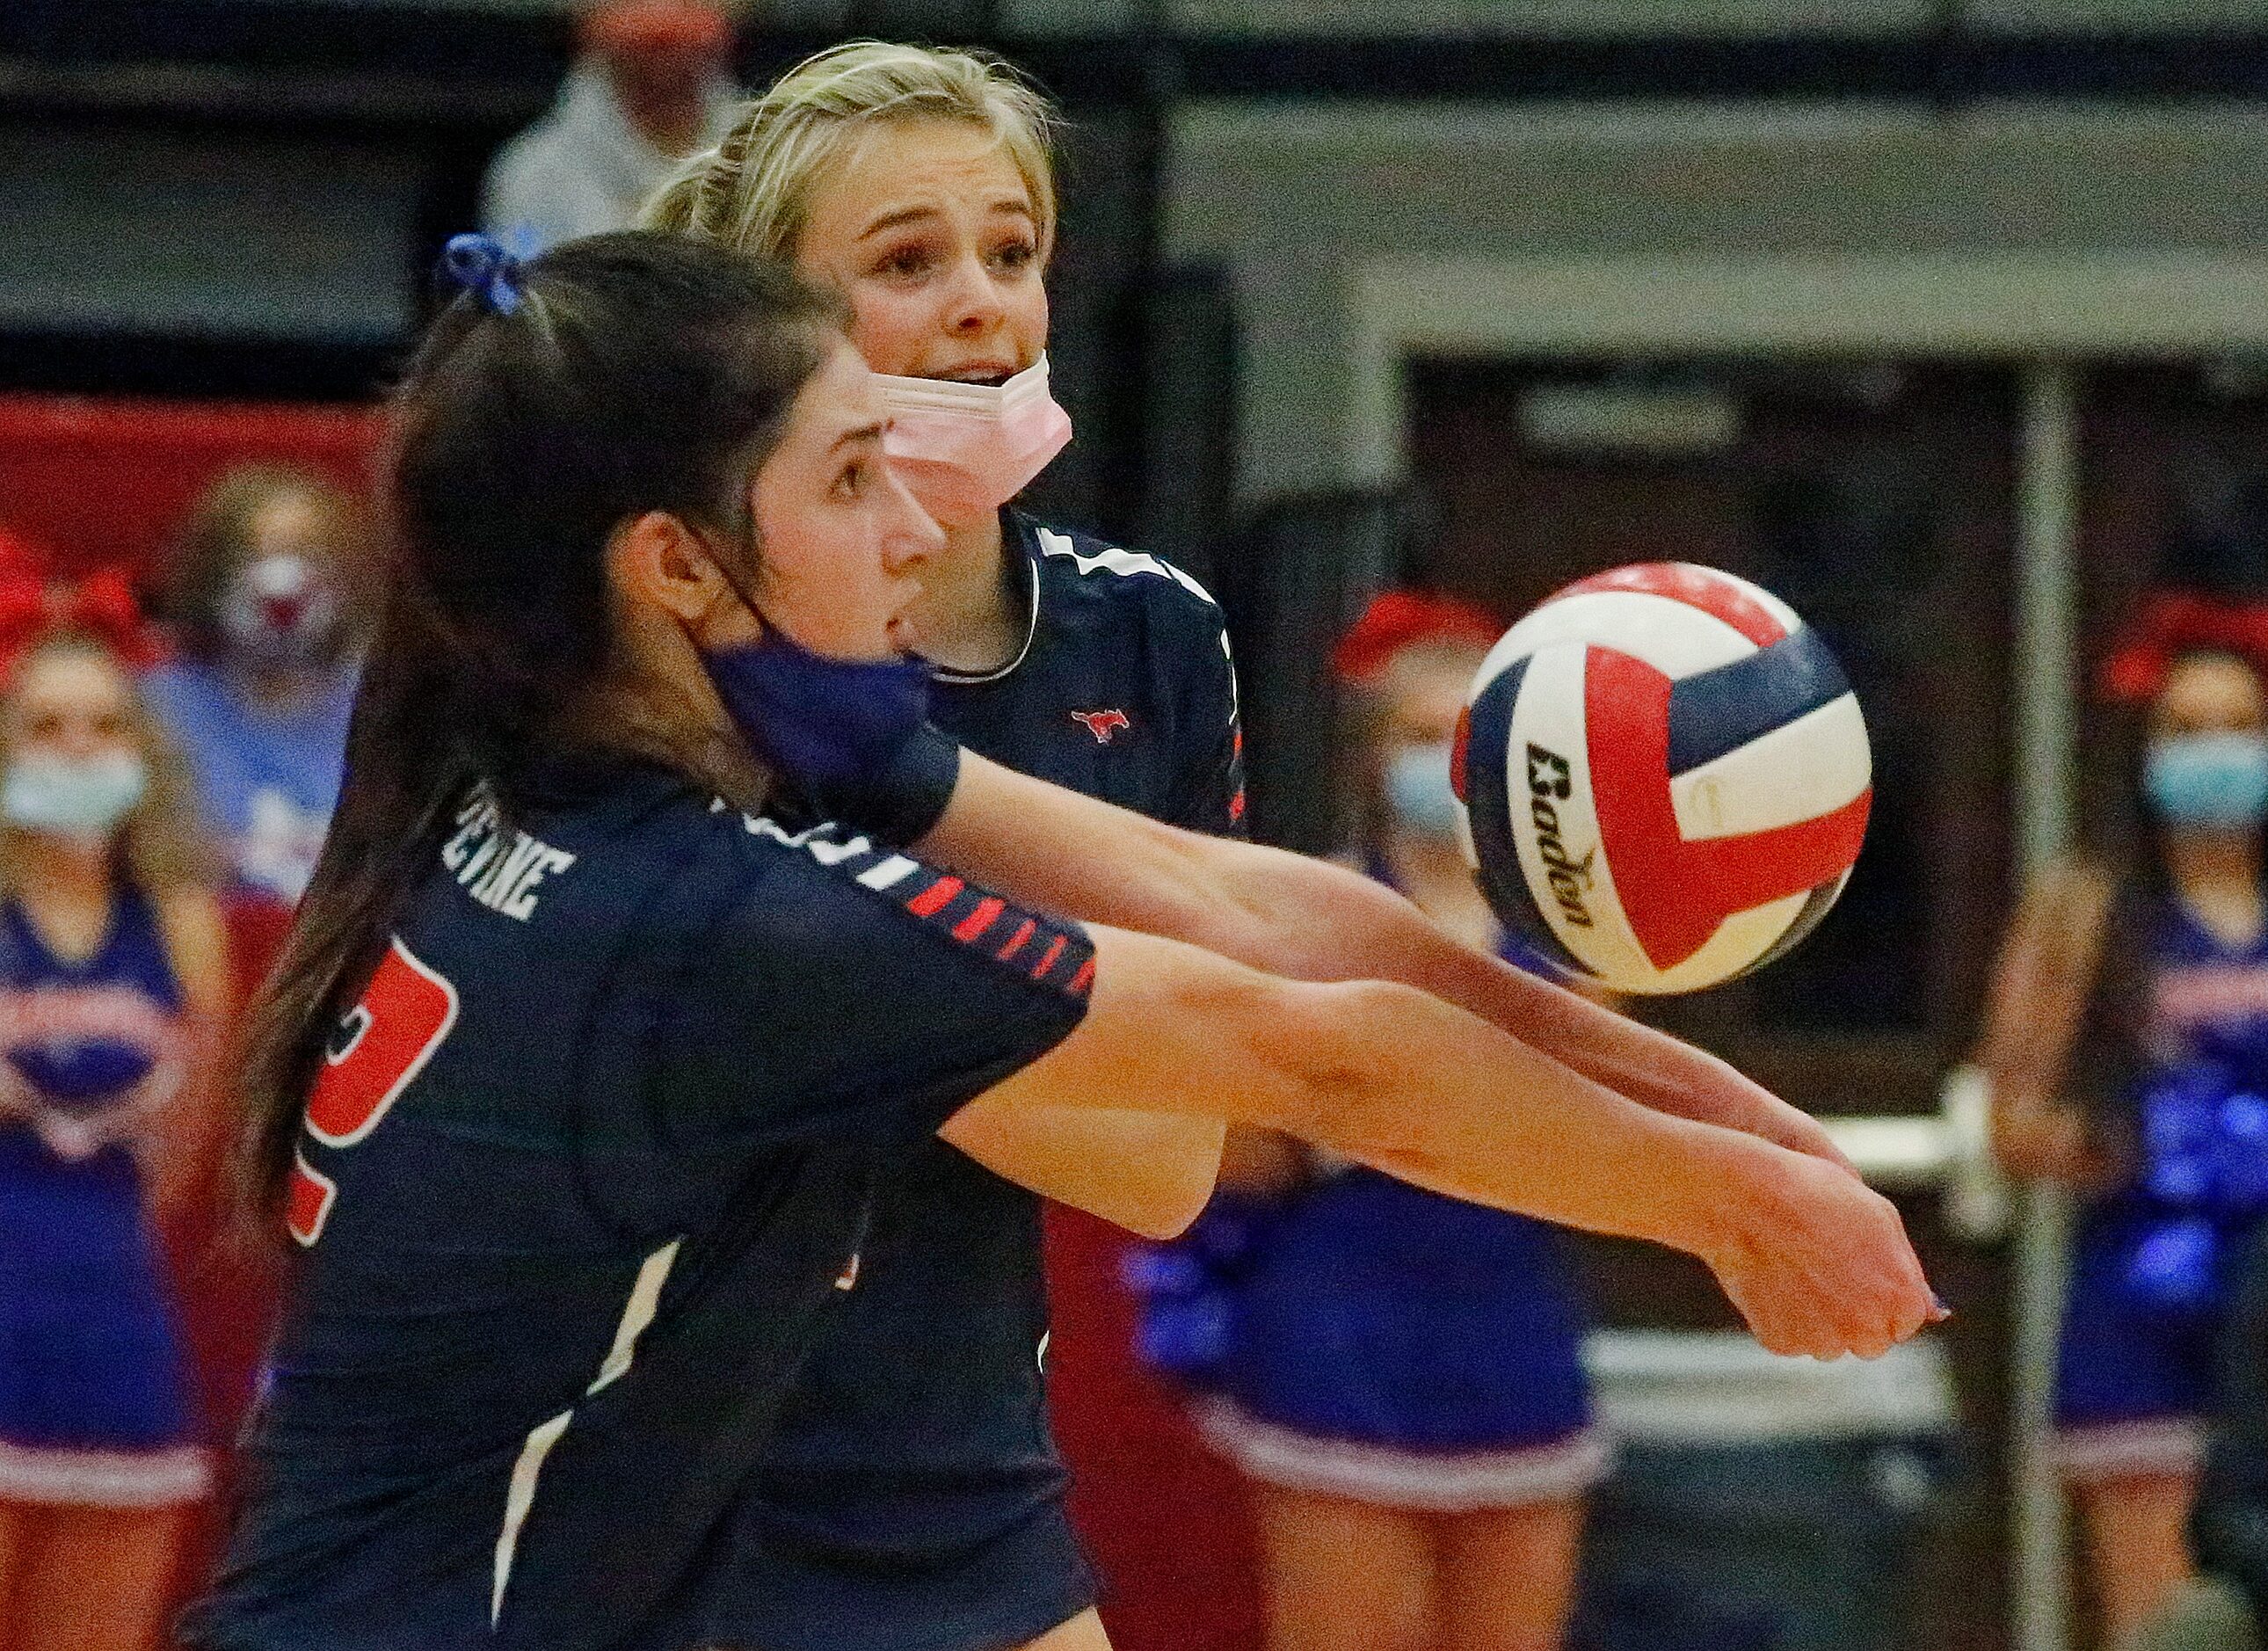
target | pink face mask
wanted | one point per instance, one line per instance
(964, 450)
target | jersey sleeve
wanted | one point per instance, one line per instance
(851, 989)
(1209, 788)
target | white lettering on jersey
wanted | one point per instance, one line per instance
(1123, 562)
(500, 868)
(817, 841)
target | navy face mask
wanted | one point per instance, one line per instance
(831, 725)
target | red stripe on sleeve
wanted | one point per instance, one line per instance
(979, 920)
(1236, 804)
(935, 898)
(1055, 950)
(1082, 981)
(1016, 944)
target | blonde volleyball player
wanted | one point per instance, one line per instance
(917, 184)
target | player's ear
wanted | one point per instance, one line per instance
(656, 560)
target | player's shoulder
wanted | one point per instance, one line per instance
(1080, 567)
(821, 887)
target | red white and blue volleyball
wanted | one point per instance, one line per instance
(1665, 777)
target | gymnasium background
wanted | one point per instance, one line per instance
(1936, 316)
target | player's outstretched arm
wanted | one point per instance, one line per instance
(1151, 1172)
(1307, 919)
(1816, 1263)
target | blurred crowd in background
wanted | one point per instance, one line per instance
(1339, 1415)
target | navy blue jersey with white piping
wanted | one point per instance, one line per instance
(582, 1180)
(914, 1498)
(1122, 688)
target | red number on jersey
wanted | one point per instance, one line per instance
(381, 1045)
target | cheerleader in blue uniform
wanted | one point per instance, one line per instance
(2128, 1051)
(1402, 1381)
(111, 966)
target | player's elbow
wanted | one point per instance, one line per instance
(1182, 1185)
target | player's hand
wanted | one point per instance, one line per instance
(1819, 1264)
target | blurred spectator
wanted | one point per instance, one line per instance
(2127, 1052)
(265, 598)
(651, 86)
(112, 974)
(1398, 1374)
(2225, 1609)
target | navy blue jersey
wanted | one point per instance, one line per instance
(914, 1490)
(583, 1176)
(1122, 689)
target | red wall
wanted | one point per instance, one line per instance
(1165, 1519)
(99, 480)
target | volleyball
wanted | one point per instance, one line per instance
(1665, 777)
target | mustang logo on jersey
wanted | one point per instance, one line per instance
(1102, 724)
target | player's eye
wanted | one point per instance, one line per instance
(850, 481)
(1016, 255)
(907, 260)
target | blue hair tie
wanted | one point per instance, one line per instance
(480, 264)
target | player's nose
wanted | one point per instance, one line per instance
(976, 305)
(910, 535)
(79, 740)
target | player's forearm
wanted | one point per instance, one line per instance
(1816, 1263)
(1148, 1172)
(1307, 919)
(1323, 922)
(1398, 1079)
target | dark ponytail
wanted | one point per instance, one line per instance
(614, 376)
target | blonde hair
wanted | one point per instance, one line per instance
(753, 191)
(161, 846)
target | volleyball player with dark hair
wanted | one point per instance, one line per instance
(576, 1080)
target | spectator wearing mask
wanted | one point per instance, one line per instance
(652, 85)
(113, 972)
(2127, 1048)
(264, 605)
(1398, 1374)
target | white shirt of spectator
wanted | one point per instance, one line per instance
(279, 851)
(583, 168)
